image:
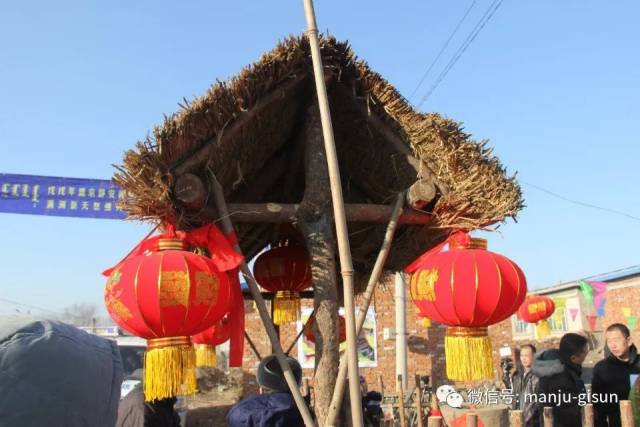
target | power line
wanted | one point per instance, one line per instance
(444, 47)
(463, 48)
(27, 305)
(579, 203)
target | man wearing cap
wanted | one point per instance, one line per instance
(275, 408)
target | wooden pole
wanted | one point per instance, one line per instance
(419, 410)
(472, 419)
(588, 415)
(516, 418)
(400, 388)
(253, 346)
(435, 421)
(378, 267)
(380, 385)
(298, 336)
(227, 228)
(626, 414)
(342, 233)
(547, 416)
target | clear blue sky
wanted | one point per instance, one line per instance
(554, 86)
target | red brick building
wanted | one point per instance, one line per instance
(426, 345)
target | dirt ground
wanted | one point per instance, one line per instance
(218, 391)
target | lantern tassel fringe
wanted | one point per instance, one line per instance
(468, 358)
(168, 372)
(286, 310)
(542, 329)
(206, 356)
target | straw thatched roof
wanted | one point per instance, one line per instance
(258, 161)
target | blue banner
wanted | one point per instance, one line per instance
(70, 197)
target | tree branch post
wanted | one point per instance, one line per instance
(338, 211)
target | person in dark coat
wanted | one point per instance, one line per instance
(135, 412)
(54, 374)
(560, 385)
(612, 375)
(275, 408)
(524, 383)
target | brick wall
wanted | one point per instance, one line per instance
(425, 345)
(621, 294)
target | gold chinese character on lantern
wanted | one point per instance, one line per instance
(174, 288)
(425, 285)
(206, 288)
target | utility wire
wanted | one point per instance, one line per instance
(463, 48)
(27, 305)
(579, 203)
(444, 47)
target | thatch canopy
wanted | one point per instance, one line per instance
(253, 124)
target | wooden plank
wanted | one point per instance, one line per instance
(516, 418)
(588, 415)
(419, 410)
(626, 413)
(472, 419)
(547, 416)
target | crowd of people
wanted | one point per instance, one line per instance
(55, 374)
(553, 378)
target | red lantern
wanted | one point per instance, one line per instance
(205, 343)
(166, 294)
(310, 335)
(284, 270)
(467, 288)
(537, 309)
(426, 322)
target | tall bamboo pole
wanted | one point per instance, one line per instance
(338, 392)
(342, 235)
(227, 228)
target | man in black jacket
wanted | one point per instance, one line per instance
(524, 383)
(560, 386)
(611, 376)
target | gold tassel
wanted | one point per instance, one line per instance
(542, 329)
(286, 308)
(206, 356)
(169, 368)
(468, 354)
(426, 322)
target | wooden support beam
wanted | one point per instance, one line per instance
(435, 421)
(201, 155)
(356, 212)
(268, 296)
(191, 191)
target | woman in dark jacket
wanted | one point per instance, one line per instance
(560, 386)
